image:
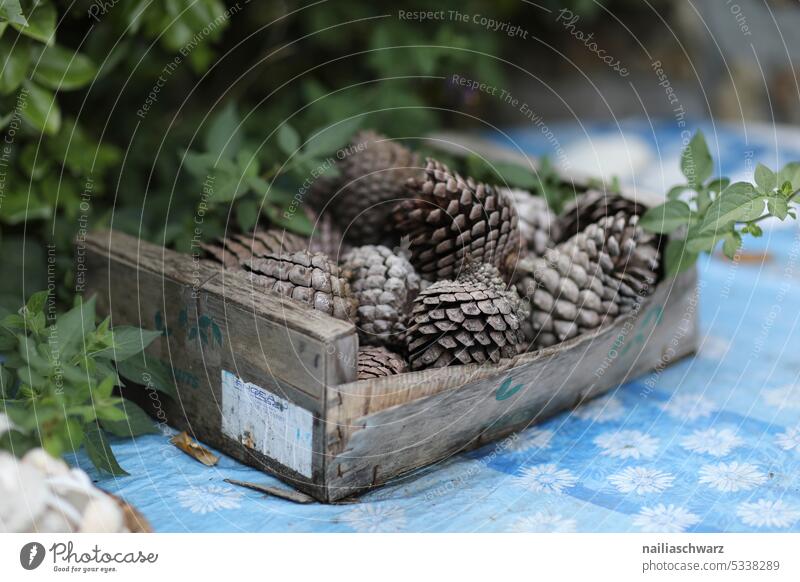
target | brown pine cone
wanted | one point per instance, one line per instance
(374, 362)
(306, 277)
(235, 249)
(373, 178)
(590, 207)
(469, 320)
(448, 218)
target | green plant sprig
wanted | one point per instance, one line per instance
(57, 379)
(716, 210)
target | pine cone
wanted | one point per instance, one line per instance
(374, 362)
(626, 253)
(538, 226)
(565, 295)
(373, 177)
(469, 320)
(385, 284)
(448, 218)
(589, 208)
(234, 250)
(306, 277)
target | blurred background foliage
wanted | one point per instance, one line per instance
(121, 112)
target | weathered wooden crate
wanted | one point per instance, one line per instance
(272, 382)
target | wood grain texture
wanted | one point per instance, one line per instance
(457, 408)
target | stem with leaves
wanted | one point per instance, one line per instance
(703, 212)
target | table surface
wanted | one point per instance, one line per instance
(710, 444)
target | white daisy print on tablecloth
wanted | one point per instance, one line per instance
(688, 406)
(533, 438)
(783, 397)
(765, 513)
(209, 498)
(731, 477)
(641, 480)
(547, 478)
(789, 440)
(601, 410)
(627, 444)
(544, 522)
(665, 519)
(376, 518)
(712, 441)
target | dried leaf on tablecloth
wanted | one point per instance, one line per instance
(198, 452)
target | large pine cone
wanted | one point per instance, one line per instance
(385, 284)
(590, 207)
(306, 277)
(538, 226)
(469, 320)
(449, 219)
(375, 361)
(589, 280)
(234, 250)
(373, 178)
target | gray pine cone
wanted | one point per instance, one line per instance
(373, 179)
(469, 320)
(538, 226)
(448, 218)
(377, 361)
(306, 277)
(385, 284)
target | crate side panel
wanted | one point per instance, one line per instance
(385, 444)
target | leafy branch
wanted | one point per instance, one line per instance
(703, 212)
(57, 381)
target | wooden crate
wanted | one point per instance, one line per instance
(272, 382)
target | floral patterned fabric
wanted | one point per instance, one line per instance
(709, 444)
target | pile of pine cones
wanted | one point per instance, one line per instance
(436, 269)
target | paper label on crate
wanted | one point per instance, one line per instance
(267, 423)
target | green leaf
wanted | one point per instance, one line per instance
(106, 387)
(778, 206)
(288, 140)
(12, 12)
(99, 451)
(14, 64)
(696, 163)
(733, 240)
(247, 214)
(71, 327)
(41, 109)
(296, 222)
(149, 372)
(668, 217)
(327, 140)
(41, 23)
(739, 202)
(516, 175)
(136, 422)
(675, 192)
(790, 173)
(678, 259)
(718, 185)
(37, 302)
(59, 68)
(766, 179)
(222, 138)
(128, 341)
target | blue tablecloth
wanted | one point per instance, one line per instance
(713, 446)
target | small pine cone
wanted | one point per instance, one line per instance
(469, 320)
(375, 361)
(306, 277)
(234, 250)
(564, 295)
(448, 217)
(589, 208)
(385, 284)
(538, 226)
(626, 253)
(373, 178)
